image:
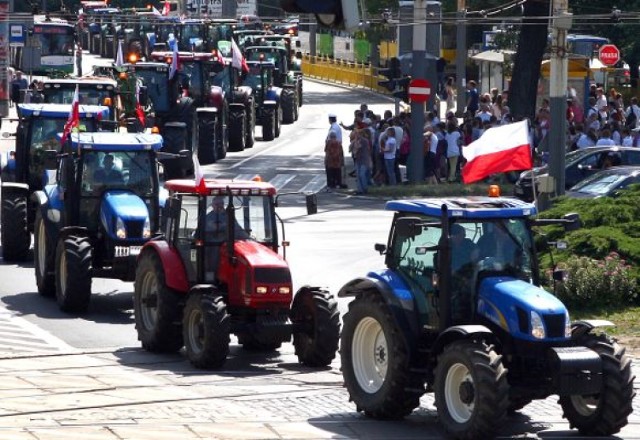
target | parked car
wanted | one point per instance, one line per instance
(606, 183)
(579, 165)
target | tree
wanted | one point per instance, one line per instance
(528, 58)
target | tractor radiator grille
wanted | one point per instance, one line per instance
(554, 325)
(272, 275)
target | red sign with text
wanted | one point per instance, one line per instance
(609, 54)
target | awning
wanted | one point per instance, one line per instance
(577, 68)
(492, 56)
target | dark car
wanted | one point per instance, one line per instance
(607, 182)
(579, 165)
(288, 27)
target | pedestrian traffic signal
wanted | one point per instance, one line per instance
(402, 89)
(330, 13)
(393, 72)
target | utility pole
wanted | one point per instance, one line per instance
(558, 93)
(415, 170)
(461, 57)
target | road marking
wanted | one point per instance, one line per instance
(318, 183)
(259, 153)
(17, 335)
(281, 180)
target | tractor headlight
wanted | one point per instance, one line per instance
(146, 229)
(567, 325)
(537, 327)
(261, 289)
(121, 231)
(284, 290)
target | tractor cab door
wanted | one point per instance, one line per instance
(181, 227)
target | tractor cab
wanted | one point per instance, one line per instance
(91, 91)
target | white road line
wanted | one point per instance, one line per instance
(280, 180)
(259, 153)
(316, 184)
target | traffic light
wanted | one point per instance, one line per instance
(330, 13)
(402, 92)
(393, 72)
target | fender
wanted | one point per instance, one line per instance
(581, 328)
(402, 308)
(72, 230)
(216, 97)
(460, 332)
(174, 273)
(236, 107)
(15, 187)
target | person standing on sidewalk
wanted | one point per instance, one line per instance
(333, 160)
(362, 156)
(453, 150)
(79, 60)
(389, 155)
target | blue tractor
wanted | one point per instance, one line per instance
(92, 222)
(23, 169)
(458, 310)
(266, 97)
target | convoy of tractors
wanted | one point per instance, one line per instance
(469, 323)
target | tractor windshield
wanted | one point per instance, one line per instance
(155, 80)
(87, 96)
(189, 34)
(44, 131)
(132, 170)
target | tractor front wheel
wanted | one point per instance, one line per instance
(605, 413)
(471, 390)
(43, 259)
(268, 124)
(206, 329)
(288, 103)
(157, 308)
(73, 273)
(15, 237)
(318, 310)
(375, 361)
(237, 130)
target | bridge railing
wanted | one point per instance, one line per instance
(347, 73)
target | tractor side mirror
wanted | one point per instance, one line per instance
(312, 203)
(380, 248)
(50, 160)
(408, 226)
(572, 222)
(143, 96)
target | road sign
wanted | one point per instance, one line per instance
(419, 90)
(609, 54)
(17, 35)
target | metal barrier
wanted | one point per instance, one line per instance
(342, 72)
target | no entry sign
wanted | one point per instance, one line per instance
(419, 90)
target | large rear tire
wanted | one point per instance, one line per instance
(206, 328)
(288, 104)
(277, 125)
(207, 140)
(16, 238)
(375, 361)
(317, 309)
(605, 413)
(471, 390)
(237, 130)
(251, 124)
(157, 308)
(73, 273)
(268, 124)
(43, 259)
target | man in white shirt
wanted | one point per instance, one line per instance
(334, 127)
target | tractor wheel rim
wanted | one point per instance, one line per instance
(370, 355)
(196, 331)
(585, 405)
(459, 390)
(149, 298)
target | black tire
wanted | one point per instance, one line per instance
(471, 390)
(206, 328)
(268, 124)
(389, 393)
(157, 308)
(300, 94)
(73, 273)
(43, 259)
(174, 139)
(288, 104)
(605, 413)
(222, 133)
(277, 125)
(317, 309)
(237, 130)
(207, 140)
(15, 238)
(251, 124)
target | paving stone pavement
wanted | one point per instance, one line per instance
(131, 394)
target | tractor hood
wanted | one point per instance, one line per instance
(258, 255)
(124, 216)
(509, 303)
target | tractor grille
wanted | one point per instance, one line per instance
(272, 275)
(554, 325)
(134, 229)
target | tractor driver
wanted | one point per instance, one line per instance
(216, 222)
(464, 255)
(108, 175)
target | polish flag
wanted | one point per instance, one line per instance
(165, 8)
(499, 149)
(237, 59)
(139, 111)
(74, 116)
(201, 187)
(174, 62)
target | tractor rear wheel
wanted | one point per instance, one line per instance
(288, 104)
(268, 124)
(471, 390)
(157, 307)
(73, 273)
(206, 328)
(251, 124)
(237, 130)
(375, 361)
(207, 140)
(43, 259)
(15, 237)
(317, 308)
(277, 125)
(605, 413)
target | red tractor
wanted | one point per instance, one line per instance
(218, 272)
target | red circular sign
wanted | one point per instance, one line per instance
(419, 90)
(609, 54)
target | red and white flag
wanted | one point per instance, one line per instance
(165, 8)
(201, 186)
(174, 62)
(119, 56)
(237, 59)
(139, 111)
(499, 149)
(74, 116)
